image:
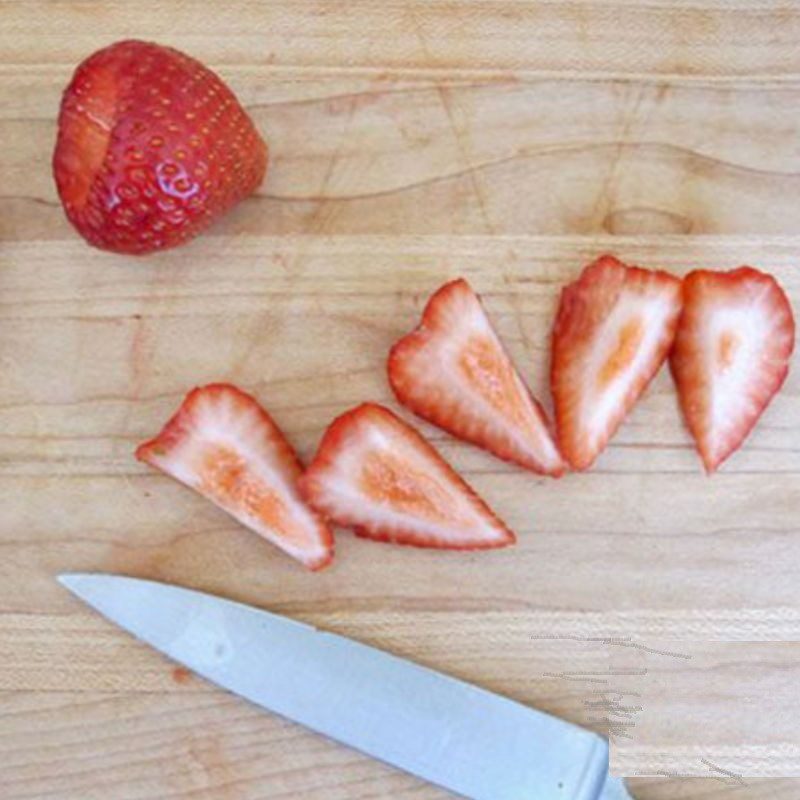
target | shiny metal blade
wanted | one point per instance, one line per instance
(450, 733)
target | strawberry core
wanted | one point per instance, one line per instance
(630, 337)
(227, 478)
(726, 351)
(493, 377)
(388, 479)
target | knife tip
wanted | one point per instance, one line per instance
(70, 580)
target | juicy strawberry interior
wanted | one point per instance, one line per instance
(494, 379)
(375, 473)
(226, 477)
(731, 355)
(621, 357)
(390, 480)
(614, 327)
(736, 351)
(726, 350)
(85, 128)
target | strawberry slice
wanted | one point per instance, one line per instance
(225, 446)
(376, 474)
(614, 328)
(454, 372)
(731, 355)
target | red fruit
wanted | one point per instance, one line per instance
(377, 475)
(222, 444)
(152, 146)
(454, 372)
(731, 355)
(614, 328)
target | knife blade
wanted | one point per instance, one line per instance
(450, 733)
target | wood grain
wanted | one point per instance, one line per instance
(398, 155)
(509, 142)
(738, 699)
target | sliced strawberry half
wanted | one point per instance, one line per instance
(376, 474)
(731, 355)
(454, 372)
(613, 330)
(225, 446)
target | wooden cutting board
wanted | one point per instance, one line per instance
(509, 142)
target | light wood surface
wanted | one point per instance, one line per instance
(509, 142)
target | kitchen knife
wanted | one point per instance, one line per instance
(450, 733)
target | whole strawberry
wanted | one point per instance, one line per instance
(152, 146)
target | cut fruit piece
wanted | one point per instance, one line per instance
(614, 328)
(454, 372)
(222, 444)
(731, 355)
(376, 474)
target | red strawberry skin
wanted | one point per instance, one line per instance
(731, 355)
(454, 372)
(376, 474)
(613, 330)
(152, 147)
